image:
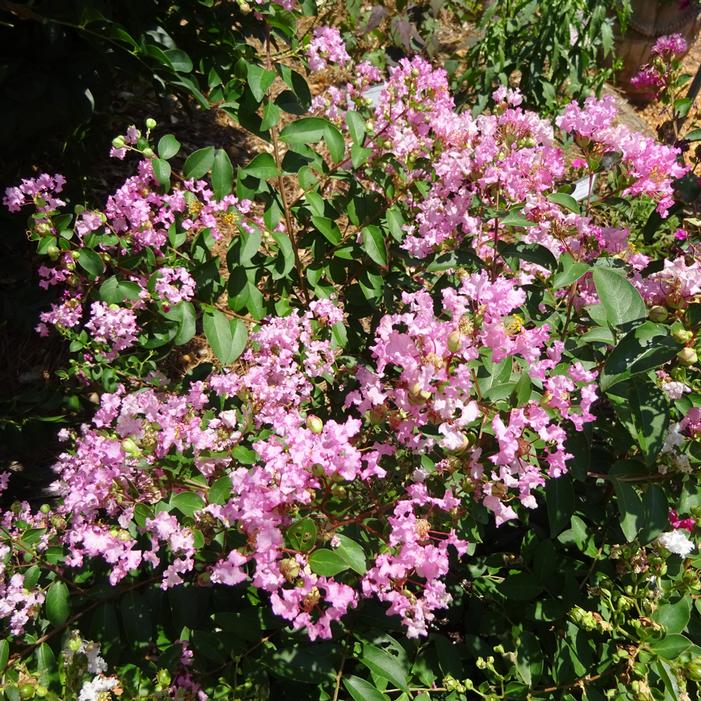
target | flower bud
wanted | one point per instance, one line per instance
(150, 123)
(53, 251)
(658, 314)
(148, 152)
(163, 676)
(118, 142)
(682, 335)
(687, 356)
(454, 342)
(130, 447)
(289, 568)
(27, 691)
(315, 424)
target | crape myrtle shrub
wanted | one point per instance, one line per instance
(446, 446)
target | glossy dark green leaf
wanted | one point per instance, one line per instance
(222, 174)
(671, 646)
(57, 603)
(362, 690)
(352, 553)
(302, 535)
(168, 146)
(673, 617)
(356, 127)
(374, 245)
(162, 171)
(187, 503)
(91, 262)
(620, 299)
(383, 664)
(327, 563)
(559, 496)
(199, 163)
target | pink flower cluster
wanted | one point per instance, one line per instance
(654, 77)
(174, 285)
(112, 326)
(651, 167)
(424, 376)
(39, 191)
(326, 47)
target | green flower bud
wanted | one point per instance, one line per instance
(150, 123)
(454, 342)
(658, 314)
(118, 142)
(148, 152)
(682, 335)
(53, 251)
(315, 424)
(163, 676)
(688, 356)
(26, 691)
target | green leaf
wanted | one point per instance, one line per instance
(566, 201)
(180, 61)
(227, 337)
(630, 509)
(374, 245)
(168, 146)
(570, 273)
(114, 291)
(670, 647)
(356, 127)
(515, 218)
(520, 587)
(655, 515)
(259, 80)
(383, 664)
(362, 690)
(199, 163)
(4, 654)
(262, 166)
(530, 252)
(222, 174)
(57, 606)
(308, 130)
(302, 534)
(335, 143)
(359, 155)
(352, 553)
(559, 496)
(220, 491)
(643, 409)
(91, 262)
(646, 347)
(328, 228)
(327, 563)
(673, 617)
(186, 502)
(161, 170)
(46, 660)
(620, 299)
(271, 116)
(286, 256)
(184, 314)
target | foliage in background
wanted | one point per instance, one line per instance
(552, 50)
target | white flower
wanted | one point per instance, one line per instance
(91, 690)
(675, 390)
(676, 542)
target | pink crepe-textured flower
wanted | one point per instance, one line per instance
(326, 48)
(113, 326)
(174, 285)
